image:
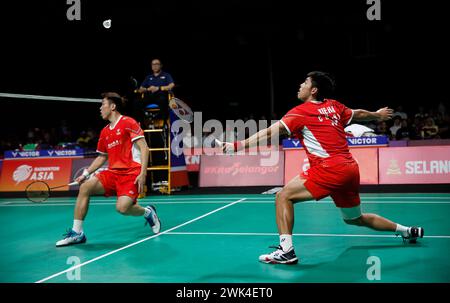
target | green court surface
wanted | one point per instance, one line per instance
(218, 238)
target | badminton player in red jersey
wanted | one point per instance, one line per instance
(319, 123)
(123, 144)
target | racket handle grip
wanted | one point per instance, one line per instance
(73, 183)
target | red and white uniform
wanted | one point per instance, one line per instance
(124, 157)
(333, 171)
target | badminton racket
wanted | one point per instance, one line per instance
(181, 109)
(39, 191)
(227, 147)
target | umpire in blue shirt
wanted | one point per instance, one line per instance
(156, 87)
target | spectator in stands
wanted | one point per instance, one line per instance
(155, 88)
(397, 125)
(45, 141)
(421, 114)
(382, 129)
(30, 136)
(430, 130)
(417, 126)
(371, 124)
(399, 112)
(443, 123)
(94, 138)
(53, 136)
(404, 132)
(83, 140)
(66, 134)
(432, 113)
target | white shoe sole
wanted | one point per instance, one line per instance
(157, 227)
(69, 243)
(288, 262)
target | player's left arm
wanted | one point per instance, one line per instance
(274, 131)
(140, 179)
(382, 114)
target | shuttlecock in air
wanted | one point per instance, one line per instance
(107, 23)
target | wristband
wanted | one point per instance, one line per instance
(86, 174)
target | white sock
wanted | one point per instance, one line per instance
(77, 226)
(402, 229)
(286, 242)
(147, 212)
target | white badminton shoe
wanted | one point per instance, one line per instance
(72, 237)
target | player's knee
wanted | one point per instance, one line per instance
(122, 209)
(282, 196)
(279, 198)
(356, 221)
(85, 188)
(278, 195)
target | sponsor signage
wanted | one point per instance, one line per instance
(296, 162)
(192, 155)
(242, 170)
(192, 162)
(352, 141)
(414, 165)
(10, 154)
(16, 175)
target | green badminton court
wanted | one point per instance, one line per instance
(218, 238)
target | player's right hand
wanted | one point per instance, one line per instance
(83, 177)
(80, 179)
(228, 148)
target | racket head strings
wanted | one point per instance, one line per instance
(181, 109)
(37, 191)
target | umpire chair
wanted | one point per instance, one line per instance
(156, 127)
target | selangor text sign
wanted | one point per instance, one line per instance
(241, 170)
(414, 165)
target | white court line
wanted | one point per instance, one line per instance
(212, 202)
(137, 242)
(268, 198)
(303, 235)
(26, 204)
(256, 197)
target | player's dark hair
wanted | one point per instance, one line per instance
(324, 83)
(115, 98)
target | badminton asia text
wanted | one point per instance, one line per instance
(226, 292)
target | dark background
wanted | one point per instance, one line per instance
(219, 54)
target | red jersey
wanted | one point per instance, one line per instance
(118, 142)
(320, 127)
